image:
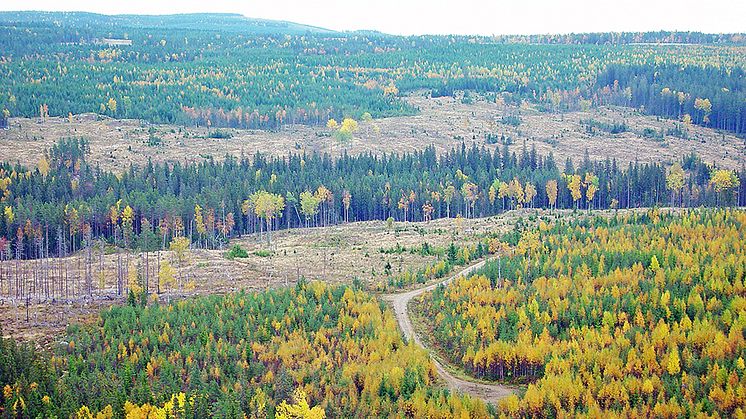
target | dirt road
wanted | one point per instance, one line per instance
(490, 393)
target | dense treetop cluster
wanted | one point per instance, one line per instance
(238, 72)
(635, 315)
(256, 354)
(65, 202)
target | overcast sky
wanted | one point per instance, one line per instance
(483, 17)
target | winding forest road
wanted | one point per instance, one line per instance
(490, 393)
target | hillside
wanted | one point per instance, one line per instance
(230, 71)
(102, 25)
(443, 123)
(212, 215)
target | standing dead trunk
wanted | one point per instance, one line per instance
(157, 278)
(147, 272)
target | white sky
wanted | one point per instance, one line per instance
(483, 17)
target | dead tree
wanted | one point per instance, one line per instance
(89, 259)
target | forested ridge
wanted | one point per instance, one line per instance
(628, 315)
(64, 203)
(239, 72)
(669, 91)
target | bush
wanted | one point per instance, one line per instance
(678, 131)
(512, 120)
(154, 141)
(237, 252)
(612, 128)
(220, 134)
(652, 133)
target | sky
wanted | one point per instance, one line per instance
(465, 17)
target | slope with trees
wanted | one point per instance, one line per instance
(640, 314)
(259, 354)
(240, 73)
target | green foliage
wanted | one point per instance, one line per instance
(268, 74)
(625, 310)
(674, 90)
(448, 259)
(679, 131)
(237, 252)
(396, 250)
(512, 120)
(233, 198)
(652, 134)
(243, 353)
(612, 128)
(220, 134)
(25, 378)
(154, 140)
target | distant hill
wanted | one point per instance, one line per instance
(221, 22)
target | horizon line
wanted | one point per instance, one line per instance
(353, 31)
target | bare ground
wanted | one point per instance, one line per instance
(443, 123)
(335, 254)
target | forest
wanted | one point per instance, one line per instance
(633, 315)
(242, 73)
(327, 350)
(486, 278)
(64, 204)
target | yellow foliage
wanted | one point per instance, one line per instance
(43, 166)
(166, 275)
(300, 408)
(611, 330)
(133, 280)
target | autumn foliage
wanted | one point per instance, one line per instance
(634, 315)
(312, 348)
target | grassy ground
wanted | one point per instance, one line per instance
(336, 254)
(442, 122)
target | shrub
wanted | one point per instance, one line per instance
(237, 252)
(220, 134)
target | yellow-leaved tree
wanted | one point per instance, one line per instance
(166, 276)
(309, 205)
(573, 184)
(180, 247)
(530, 193)
(267, 205)
(199, 221)
(515, 192)
(43, 166)
(673, 366)
(344, 133)
(111, 104)
(675, 180)
(723, 181)
(591, 187)
(300, 409)
(134, 280)
(552, 190)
